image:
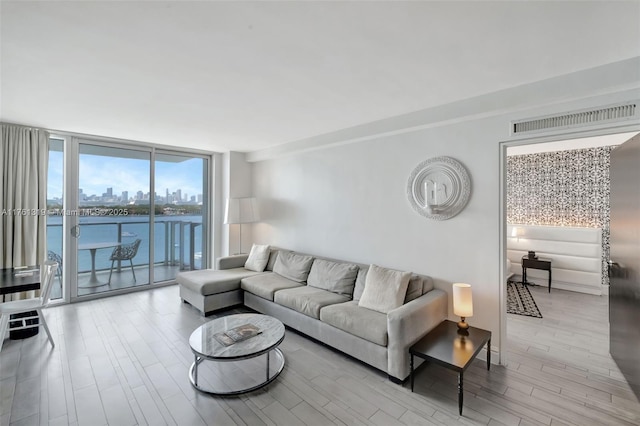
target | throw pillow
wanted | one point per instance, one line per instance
(384, 289)
(258, 258)
(293, 266)
(335, 277)
(414, 289)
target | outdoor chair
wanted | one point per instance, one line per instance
(125, 252)
(48, 270)
(55, 257)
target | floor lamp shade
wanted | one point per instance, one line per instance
(241, 210)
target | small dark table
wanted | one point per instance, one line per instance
(10, 283)
(538, 263)
(444, 346)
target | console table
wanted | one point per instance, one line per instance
(537, 263)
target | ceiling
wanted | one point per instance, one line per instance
(245, 76)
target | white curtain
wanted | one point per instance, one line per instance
(24, 159)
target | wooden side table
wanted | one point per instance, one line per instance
(539, 263)
(445, 346)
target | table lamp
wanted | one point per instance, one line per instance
(462, 304)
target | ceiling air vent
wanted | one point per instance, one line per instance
(575, 119)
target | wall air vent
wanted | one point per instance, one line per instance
(575, 119)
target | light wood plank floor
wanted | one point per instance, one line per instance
(123, 361)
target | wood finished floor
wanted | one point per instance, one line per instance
(123, 361)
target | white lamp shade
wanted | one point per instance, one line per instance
(462, 300)
(241, 210)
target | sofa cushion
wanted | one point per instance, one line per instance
(365, 323)
(335, 277)
(273, 256)
(308, 300)
(360, 280)
(293, 266)
(266, 284)
(414, 289)
(427, 284)
(209, 281)
(258, 258)
(384, 289)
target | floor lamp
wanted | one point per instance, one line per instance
(239, 211)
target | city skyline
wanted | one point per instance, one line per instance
(169, 197)
(130, 176)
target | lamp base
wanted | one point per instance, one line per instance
(462, 325)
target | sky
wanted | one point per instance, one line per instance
(98, 172)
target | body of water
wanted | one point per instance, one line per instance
(94, 229)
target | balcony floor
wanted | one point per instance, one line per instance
(119, 280)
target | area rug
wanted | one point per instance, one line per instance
(520, 301)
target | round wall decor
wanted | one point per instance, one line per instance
(439, 188)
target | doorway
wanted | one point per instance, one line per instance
(573, 333)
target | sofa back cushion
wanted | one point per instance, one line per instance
(384, 289)
(360, 279)
(414, 289)
(273, 256)
(293, 266)
(339, 278)
(427, 284)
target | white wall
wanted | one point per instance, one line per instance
(349, 201)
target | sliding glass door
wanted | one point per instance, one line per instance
(123, 216)
(114, 211)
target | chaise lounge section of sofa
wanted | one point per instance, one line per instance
(323, 301)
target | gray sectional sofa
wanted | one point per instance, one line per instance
(324, 305)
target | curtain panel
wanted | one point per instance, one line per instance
(24, 159)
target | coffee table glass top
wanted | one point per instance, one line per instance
(203, 342)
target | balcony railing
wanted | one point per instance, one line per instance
(174, 242)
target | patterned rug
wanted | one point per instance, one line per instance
(520, 301)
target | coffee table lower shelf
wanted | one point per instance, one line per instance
(193, 374)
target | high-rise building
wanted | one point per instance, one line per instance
(139, 195)
(200, 198)
(125, 196)
(179, 195)
(109, 192)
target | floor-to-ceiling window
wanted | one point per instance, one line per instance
(134, 215)
(180, 213)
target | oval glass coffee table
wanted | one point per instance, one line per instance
(206, 347)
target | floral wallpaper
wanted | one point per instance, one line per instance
(564, 188)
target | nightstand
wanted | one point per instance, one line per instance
(537, 263)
